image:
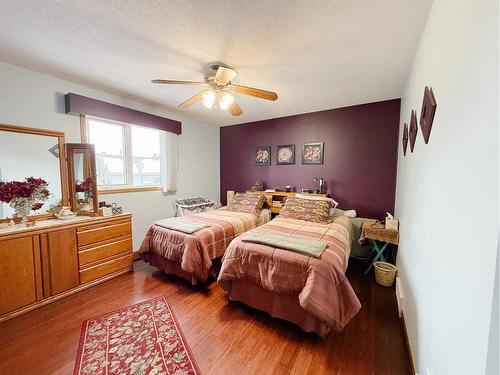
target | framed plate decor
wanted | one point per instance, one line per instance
(427, 113)
(285, 154)
(405, 138)
(263, 155)
(413, 130)
(313, 153)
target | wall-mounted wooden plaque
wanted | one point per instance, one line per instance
(427, 113)
(413, 130)
(405, 138)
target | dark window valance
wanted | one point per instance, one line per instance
(82, 105)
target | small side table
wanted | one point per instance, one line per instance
(379, 237)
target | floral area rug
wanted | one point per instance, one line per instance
(140, 339)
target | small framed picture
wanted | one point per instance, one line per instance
(285, 154)
(313, 153)
(263, 155)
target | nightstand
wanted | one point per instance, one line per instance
(379, 237)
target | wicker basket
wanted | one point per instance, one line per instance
(385, 273)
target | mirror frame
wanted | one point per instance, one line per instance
(62, 161)
(71, 149)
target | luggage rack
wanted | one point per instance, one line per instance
(191, 206)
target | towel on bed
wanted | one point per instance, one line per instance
(305, 246)
(181, 224)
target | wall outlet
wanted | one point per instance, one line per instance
(400, 297)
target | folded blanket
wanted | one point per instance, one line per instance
(305, 246)
(181, 224)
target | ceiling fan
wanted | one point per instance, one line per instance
(217, 86)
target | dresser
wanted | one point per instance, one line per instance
(56, 258)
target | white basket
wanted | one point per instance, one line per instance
(192, 206)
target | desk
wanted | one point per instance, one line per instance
(379, 237)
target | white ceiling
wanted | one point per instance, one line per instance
(315, 54)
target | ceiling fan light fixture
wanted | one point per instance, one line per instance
(226, 100)
(209, 98)
(217, 86)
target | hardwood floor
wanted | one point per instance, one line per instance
(225, 337)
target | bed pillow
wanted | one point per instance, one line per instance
(303, 196)
(333, 201)
(317, 211)
(351, 214)
(251, 203)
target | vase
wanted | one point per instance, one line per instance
(23, 209)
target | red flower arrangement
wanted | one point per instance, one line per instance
(24, 196)
(85, 186)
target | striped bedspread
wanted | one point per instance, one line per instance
(195, 251)
(320, 284)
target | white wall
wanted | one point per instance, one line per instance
(31, 99)
(447, 190)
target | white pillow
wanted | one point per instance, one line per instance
(350, 213)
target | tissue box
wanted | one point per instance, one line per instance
(391, 224)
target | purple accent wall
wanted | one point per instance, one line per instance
(78, 104)
(361, 145)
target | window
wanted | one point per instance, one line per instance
(126, 155)
(145, 156)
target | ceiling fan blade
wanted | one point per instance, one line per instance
(235, 109)
(176, 82)
(224, 75)
(192, 100)
(252, 91)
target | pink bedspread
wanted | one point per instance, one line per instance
(195, 251)
(320, 284)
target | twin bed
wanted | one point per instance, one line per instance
(192, 255)
(311, 291)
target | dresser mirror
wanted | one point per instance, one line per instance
(82, 178)
(25, 153)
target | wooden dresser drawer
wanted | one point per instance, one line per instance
(93, 235)
(93, 254)
(103, 269)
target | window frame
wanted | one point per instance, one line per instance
(128, 163)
